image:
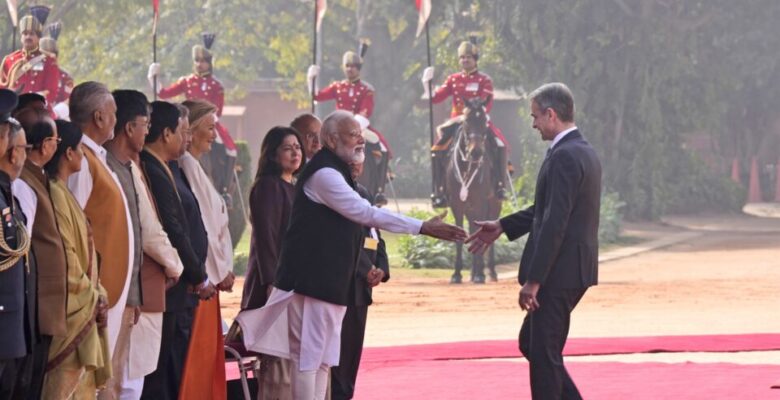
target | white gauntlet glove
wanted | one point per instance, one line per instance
(427, 77)
(311, 74)
(154, 71)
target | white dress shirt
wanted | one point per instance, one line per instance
(28, 201)
(561, 135)
(316, 323)
(328, 187)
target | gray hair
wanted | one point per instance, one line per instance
(14, 131)
(85, 99)
(333, 122)
(557, 96)
(184, 112)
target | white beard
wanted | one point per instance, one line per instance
(359, 157)
(352, 155)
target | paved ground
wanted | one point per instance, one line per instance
(721, 277)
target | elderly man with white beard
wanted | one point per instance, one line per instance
(302, 319)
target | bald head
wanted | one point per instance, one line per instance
(308, 126)
(341, 134)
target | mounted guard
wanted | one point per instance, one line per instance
(65, 84)
(220, 162)
(463, 86)
(357, 96)
(29, 70)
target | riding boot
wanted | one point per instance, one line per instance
(382, 176)
(501, 168)
(439, 196)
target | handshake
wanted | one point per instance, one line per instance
(437, 228)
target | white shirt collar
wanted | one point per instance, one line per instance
(561, 135)
(98, 149)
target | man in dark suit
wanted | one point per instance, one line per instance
(373, 267)
(180, 215)
(560, 259)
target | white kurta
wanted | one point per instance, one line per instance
(80, 184)
(302, 328)
(213, 211)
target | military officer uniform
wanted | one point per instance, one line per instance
(16, 315)
(31, 71)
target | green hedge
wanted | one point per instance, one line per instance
(424, 252)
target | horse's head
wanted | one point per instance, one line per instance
(475, 124)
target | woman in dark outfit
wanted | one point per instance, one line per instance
(270, 203)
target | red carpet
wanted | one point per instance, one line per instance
(458, 370)
(577, 346)
(470, 380)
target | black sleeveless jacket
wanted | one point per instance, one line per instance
(320, 249)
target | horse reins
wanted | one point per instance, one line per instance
(464, 183)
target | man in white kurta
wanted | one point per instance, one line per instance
(305, 329)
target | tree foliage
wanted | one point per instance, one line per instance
(645, 73)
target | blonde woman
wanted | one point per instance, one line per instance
(204, 371)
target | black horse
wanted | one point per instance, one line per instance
(470, 184)
(375, 169)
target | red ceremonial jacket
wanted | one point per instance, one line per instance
(42, 78)
(209, 88)
(462, 85)
(356, 97)
(65, 87)
(197, 87)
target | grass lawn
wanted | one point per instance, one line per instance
(243, 245)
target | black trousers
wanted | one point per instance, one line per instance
(353, 330)
(163, 383)
(542, 338)
(39, 359)
(9, 371)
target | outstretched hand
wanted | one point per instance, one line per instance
(481, 240)
(437, 228)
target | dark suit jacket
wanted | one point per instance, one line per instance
(562, 247)
(176, 225)
(368, 258)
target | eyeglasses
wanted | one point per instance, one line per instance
(147, 124)
(58, 139)
(23, 146)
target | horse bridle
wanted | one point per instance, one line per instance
(465, 180)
